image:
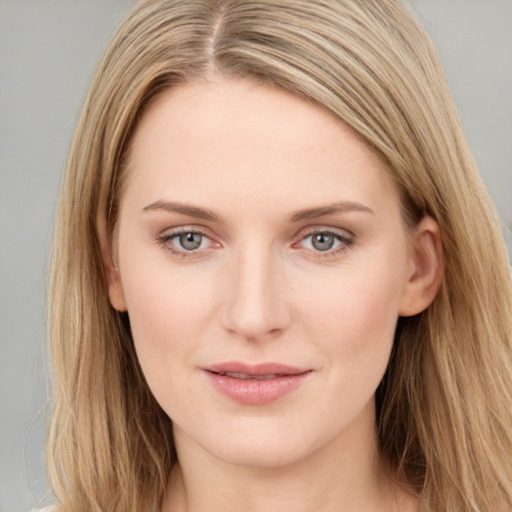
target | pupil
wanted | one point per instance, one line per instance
(190, 241)
(323, 242)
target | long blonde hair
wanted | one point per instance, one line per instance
(444, 406)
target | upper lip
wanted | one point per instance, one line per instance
(255, 369)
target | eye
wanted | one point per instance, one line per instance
(325, 241)
(189, 241)
(185, 242)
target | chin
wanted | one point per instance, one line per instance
(263, 443)
(260, 455)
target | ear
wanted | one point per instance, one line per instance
(115, 289)
(425, 269)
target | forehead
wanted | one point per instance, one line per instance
(239, 135)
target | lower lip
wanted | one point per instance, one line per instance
(256, 391)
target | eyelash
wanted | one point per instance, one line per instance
(163, 241)
(346, 242)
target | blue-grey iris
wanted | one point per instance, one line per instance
(191, 241)
(322, 241)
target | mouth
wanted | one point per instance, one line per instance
(244, 370)
(245, 376)
(255, 384)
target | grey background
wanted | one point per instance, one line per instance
(48, 52)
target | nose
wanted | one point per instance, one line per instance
(255, 307)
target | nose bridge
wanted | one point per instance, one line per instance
(256, 305)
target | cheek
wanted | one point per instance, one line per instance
(353, 317)
(169, 314)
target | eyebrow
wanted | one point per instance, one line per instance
(301, 215)
(339, 207)
(183, 209)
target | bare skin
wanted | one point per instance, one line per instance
(363, 486)
(255, 227)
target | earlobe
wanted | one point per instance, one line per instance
(426, 269)
(115, 289)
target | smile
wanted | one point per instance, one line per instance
(255, 385)
(245, 376)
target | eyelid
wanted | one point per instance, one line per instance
(164, 238)
(346, 238)
(325, 227)
(311, 230)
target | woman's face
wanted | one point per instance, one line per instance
(263, 263)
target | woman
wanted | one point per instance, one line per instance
(278, 282)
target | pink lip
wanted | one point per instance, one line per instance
(249, 387)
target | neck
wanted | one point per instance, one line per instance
(343, 475)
